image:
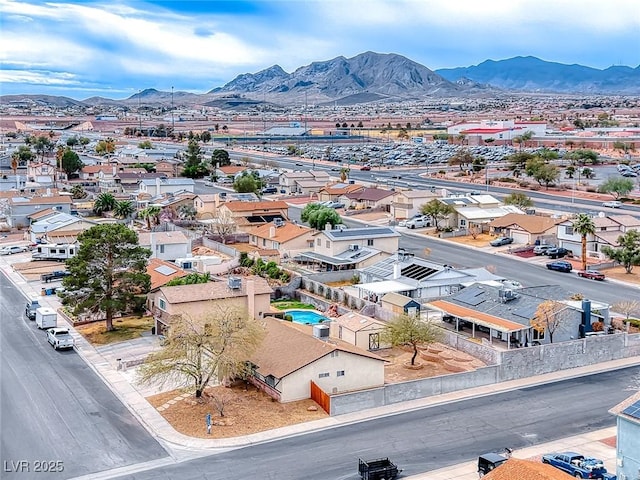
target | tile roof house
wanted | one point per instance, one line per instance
(334, 191)
(229, 170)
(162, 272)
(526, 229)
(286, 237)
(303, 182)
(368, 198)
(170, 168)
(251, 294)
(407, 203)
(475, 210)
(166, 245)
(288, 360)
(627, 415)
(607, 231)
(515, 468)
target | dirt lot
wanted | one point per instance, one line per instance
(618, 273)
(251, 411)
(31, 271)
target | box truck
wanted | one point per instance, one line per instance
(46, 318)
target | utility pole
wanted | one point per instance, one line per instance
(139, 112)
(172, 121)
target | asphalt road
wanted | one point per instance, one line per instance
(54, 408)
(425, 439)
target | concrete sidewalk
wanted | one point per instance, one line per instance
(181, 446)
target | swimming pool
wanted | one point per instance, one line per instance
(306, 317)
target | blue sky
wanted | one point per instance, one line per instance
(115, 48)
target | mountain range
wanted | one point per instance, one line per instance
(375, 77)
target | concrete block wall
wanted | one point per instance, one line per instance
(356, 401)
(488, 355)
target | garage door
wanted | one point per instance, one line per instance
(521, 238)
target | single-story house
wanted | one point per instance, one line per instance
(57, 225)
(289, 360)
(334, 191)
(303, 182)
(368, 198)
(161, 186)
(526, 229)
(251, 294)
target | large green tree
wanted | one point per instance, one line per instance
(107, 272)
(248, 182)
(618, 187)
(437, 210)
(517, 162)
(220, 157)
(213, 346)
(519, 200)
(317, 216)
(542, 172)
(411, 331)
(628, 251)
(70, 162)
(463, 158)
(23, 155)
(583, 225)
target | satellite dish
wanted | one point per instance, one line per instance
(601, 214)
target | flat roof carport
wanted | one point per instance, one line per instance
(480, 318)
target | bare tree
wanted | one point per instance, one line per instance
(550, 317)
(474, 230)
(220, 400)
(197, 350)
(223, 224)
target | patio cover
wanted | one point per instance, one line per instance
(479, 318)
(386, 286)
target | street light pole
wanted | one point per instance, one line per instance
(173, 126)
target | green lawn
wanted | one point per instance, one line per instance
(286, 305)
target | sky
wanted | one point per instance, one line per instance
(116, 48)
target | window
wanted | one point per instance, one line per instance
(340, 373)
(538, 335)
(568, 229)
(463, 222)
(162, 304)
(323, 375)
(318, 242)
(340, 332)
(370, 242)
(264, 242)
(328, 244)
(161, 248)
(276, 245)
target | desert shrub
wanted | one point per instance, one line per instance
(288, 318)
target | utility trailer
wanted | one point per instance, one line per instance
(378, 469)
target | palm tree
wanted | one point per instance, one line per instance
(583, 225)
(104, 203)
(123, 209)
(149, 214)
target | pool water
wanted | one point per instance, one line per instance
(306, 317)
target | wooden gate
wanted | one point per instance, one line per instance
(320, 397)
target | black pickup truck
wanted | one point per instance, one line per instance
(378, 469)
(58, 274)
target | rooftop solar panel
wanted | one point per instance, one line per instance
(471, 296)
(633, 410)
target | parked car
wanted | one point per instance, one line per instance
(628, 173)
(31, 307)
(334, 205)
(418, 222)
(498, 242)
(559, 266)
(11, 250)
(592, 274)
(557, 252)
(612, 204)
(576, 465)
(266, 190)
(491, 460)
(59, 338)
(542, 249)
(365, 168)
(56, 275)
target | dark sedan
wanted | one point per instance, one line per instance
(557, 252)
(560, 266)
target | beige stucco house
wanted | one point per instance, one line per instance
(526, 229)
(288, 360)
(250, 294)
(303, 182)
(407, 203)
(287, 238)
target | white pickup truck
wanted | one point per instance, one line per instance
(59, 338)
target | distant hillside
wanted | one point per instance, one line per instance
(41, 100)
(531, 74)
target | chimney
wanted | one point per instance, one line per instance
(157, 186)
(397, 268)
(114, 170)
(327, 227)
(272, 232)
(251, 297)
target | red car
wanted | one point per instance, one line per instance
(365, 168)
(593, 274)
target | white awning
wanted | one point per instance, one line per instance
(386, 286)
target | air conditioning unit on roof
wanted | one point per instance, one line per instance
(354, 247)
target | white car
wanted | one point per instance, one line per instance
(12, 250)
(419, 222)
(59, 338)
(612, 204)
